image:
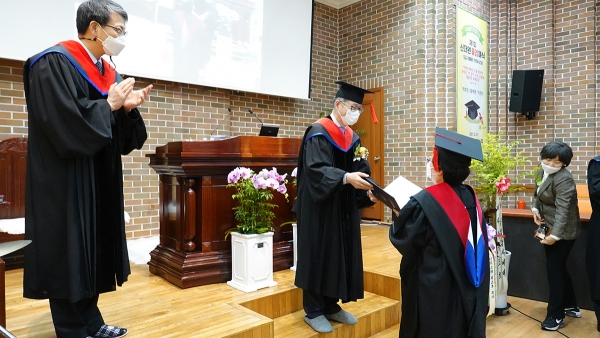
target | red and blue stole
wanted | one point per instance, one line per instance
(341, 140)
(459, 216)
(81, 60)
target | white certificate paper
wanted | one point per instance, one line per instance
(402, 189)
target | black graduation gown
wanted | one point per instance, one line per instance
(328, 217)
(74, 184)
(437, 298)
(593, 236)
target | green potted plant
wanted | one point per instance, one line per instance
(500, 159)
(252, 238)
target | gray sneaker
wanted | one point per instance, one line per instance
(319, 324)
(573, 312)
(343, 317)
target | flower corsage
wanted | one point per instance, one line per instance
(360, 153)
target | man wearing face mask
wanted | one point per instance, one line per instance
(555, 205)
(82, 117)
(331, 190)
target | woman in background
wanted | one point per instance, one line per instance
(555, 205)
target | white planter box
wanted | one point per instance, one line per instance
(251, 261)
(295, 238)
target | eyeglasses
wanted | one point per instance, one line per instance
(120, 31)
(361, 109)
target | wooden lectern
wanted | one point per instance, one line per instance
(196, 205)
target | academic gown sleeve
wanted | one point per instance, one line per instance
(362, 199)
(324, 179)
(59, 96)
(409, 229)
(133, 130)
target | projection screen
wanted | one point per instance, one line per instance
(260, 46)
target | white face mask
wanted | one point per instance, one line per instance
(111, 45)
(549, 169)
(351, 116)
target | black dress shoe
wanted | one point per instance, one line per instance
(108, 331)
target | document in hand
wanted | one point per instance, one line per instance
(402, 189)
(396, 194)
(383, 196)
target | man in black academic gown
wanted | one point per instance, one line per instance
(593, 236)
(441, 235)
(331, 190)
(82, 118)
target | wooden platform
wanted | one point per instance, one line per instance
(151, 307)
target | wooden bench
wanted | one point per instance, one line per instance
(583, 198)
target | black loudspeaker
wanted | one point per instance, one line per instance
(526, 91)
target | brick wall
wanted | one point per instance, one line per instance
(406, 47)
(557, 36)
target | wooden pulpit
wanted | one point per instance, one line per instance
(196, 205)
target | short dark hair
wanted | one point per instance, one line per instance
(99, 11)
(454, 175)
(557, 148)
(454, 166)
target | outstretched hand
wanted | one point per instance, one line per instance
(357, 182)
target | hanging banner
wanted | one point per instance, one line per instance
(471, 74)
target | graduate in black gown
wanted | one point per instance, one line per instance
(593, 236)
(441, 235)
(82, 117)
(330, 193)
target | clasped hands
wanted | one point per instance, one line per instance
(122, 95)
(537, 218)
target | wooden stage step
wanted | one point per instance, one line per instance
(375, 313)
(392, 332)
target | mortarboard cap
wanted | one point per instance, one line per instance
(354, 94)
(457, 147)
(472, 107)
(351, 92)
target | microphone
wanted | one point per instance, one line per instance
(217, 127)
(251, 112)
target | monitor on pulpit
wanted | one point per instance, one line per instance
(269, 130)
